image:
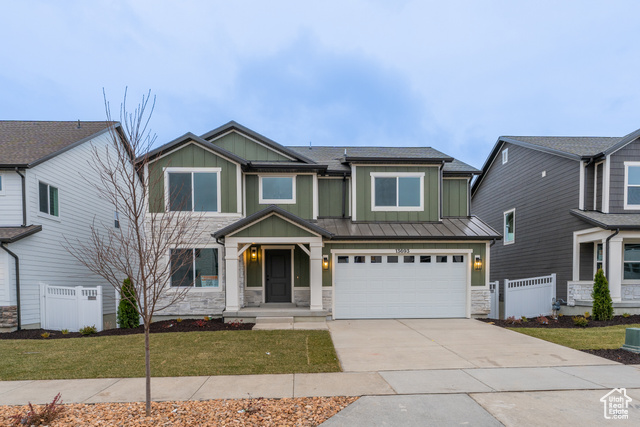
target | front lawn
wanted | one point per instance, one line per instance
(608, 337)
(172, 354)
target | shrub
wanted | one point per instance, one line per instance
(88, 330)
(625, 315)
(524, 319)
(513, 321)
(44, 416)
(580, 321)
(64, 331)
(541, 320)
(128, 316)
(200, 323)
(586, 315)
(207, 318)
(45, 335)
(602, 304)
(179, 319)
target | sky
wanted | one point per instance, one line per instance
(452, 75)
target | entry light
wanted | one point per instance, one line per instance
(477, 264)
(254, 253)
(325, 262)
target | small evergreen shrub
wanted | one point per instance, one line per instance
(64, 331)
(602, 304)
(524, 319)
(580, 321)
(625, 315)
(128, 316)
(45, 335)
(88, 330)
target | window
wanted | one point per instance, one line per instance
(376, 259)
(458, 258)
(397, 191)
(510, 227)
(48, 199)
(598, 257)
(277, 189)
(116, 220)
(409, 259)
(196, 191)
(194, 267)
(392, 259)
(425, 259)
(441, 258)
(505, 156)
(1, 186)
(632, 185)
(343, 260)
(632, 261)
(359, 259)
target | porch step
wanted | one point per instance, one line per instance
(263, 319)
(278, 305)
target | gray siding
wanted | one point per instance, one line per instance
(597, 191)
(543, 225)
(616, 184)
(589, 177)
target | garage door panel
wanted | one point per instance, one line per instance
(403, 289)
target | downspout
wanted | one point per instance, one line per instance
(24, 198)
(344, 195)
(606, 267)
(17, 261)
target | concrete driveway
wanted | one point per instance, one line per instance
(411, 344)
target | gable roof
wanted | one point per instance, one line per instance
(630, 221)
(28, 143)
(232, 125)
(184, 140)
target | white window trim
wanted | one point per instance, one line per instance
(47, 214)
(504, 226)
(3, 184)
(628, 206)
(291, 201)
(193, 288)
(169, 170)
(505, 156)
(375, 175)
(595, 256)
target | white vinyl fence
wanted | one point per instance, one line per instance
(72, 308)
(494, 288)
(529, 297)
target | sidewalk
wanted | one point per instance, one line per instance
(444, 381)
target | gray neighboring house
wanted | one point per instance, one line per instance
(566, 205)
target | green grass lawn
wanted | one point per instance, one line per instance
(172, 354)
(609, 337)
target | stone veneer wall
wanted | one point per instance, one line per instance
(631, 292)
(480, 302)
(582, 292)
(9, 316)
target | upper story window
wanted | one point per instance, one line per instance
(277, 189)
(397, 191)
(509, 226)
(632, 185)
(48, 199)
(632, 261)
(505, 156)
(196, 190)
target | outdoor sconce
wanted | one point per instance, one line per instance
(325, 262)
(477, 264)
(254, 253)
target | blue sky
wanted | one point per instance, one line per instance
(452, 75)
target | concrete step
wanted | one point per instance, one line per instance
(262, 319)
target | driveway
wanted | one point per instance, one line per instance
(412, 344)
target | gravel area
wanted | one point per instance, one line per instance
(565, 322)
(244, 412)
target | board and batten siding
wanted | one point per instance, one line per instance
(247, 149)
(194, 156)
(330, 197)
(42, 255)
(477, 277)
(362, 195)
(455, 197)
(10, 199)
(543, 225)
(629, 153)
(303, 207)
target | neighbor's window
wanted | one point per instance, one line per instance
(277, 189)
(509, 226)
(194, 191)
(48, 198)
(632, 261)
(632, 185)
(599, 257)
(194, 267)
(1, 186)
(400, 192)
(505, 156)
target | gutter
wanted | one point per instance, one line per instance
(24, 198)
(17, 261)
(606, 273)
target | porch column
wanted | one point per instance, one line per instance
(231, 275)
(614, 268)
(315, 284)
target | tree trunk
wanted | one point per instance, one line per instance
(147, 361)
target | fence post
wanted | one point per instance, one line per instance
(100, 307)
(506, 297)
(553, 287)
(43, 305)
(497, 298)
(78, 295)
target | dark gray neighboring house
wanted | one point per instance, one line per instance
(565, 205)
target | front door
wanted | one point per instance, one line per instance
(277, 272)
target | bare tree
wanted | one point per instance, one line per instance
(139, 249)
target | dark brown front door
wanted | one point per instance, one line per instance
(277, 270)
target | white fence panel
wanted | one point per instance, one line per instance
(530, 297)
(64, 307)
(494, 288)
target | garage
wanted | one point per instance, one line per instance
(378, 286)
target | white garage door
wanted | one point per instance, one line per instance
(400, 286)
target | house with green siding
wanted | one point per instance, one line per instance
(346, 232)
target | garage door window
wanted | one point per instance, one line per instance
(392, 259)
(358, 259)
(408, 259)
(376, 259)
(397, 191)
(441, 258)
(458, 258)
(343, 260)
(425, 259)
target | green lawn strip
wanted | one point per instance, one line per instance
(609, 337)
(172, 354)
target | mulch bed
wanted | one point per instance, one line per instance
(308, 411)
(186, 325)
(617, 355)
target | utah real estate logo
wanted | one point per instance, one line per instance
(616, 404)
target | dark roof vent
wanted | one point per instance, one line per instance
(79, 124)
